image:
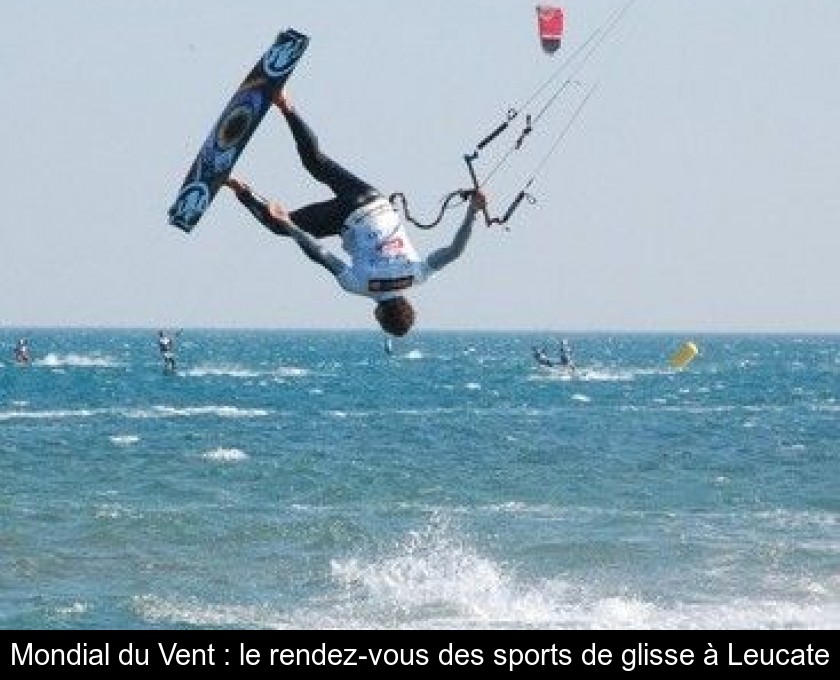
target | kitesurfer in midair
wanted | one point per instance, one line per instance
(383, 261)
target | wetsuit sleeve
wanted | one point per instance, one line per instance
(258, 207)
(448, 254)
(315, 251)
(308, 244)
(319, 219)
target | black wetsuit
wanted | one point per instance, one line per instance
(325, 218)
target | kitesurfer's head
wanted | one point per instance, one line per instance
(395, 315)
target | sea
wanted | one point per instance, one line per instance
(313, 480)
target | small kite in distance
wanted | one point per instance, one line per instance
(550, 25)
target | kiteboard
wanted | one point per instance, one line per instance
(234, 128)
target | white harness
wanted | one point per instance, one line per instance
(384, 261)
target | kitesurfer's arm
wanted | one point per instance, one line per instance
(438, 259)
(275, 218)
(308, 244)
(257, 205)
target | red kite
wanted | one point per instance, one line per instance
(550, 24)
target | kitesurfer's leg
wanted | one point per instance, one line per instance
(349, 189)
(321, 219)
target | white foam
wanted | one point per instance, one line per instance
(124, 439)
(236, 371)
(434, 578)
(210, 410)
(52, 360)
(49, 415)
(225, 455)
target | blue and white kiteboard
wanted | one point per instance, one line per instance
(233, 130)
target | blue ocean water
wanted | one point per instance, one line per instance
(309, 480)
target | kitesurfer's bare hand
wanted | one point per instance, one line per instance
(478, 201)
(278, 212)
(281, 218)
(282, 100)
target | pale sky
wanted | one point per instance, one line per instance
(698, 190)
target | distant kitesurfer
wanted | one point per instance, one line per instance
(566, 354)
(564, 360)
(541, 357)
(22, 351)
(166, 346)
(383, 261)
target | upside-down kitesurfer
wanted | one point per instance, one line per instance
(383, 261)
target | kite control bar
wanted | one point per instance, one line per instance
(488, 221)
